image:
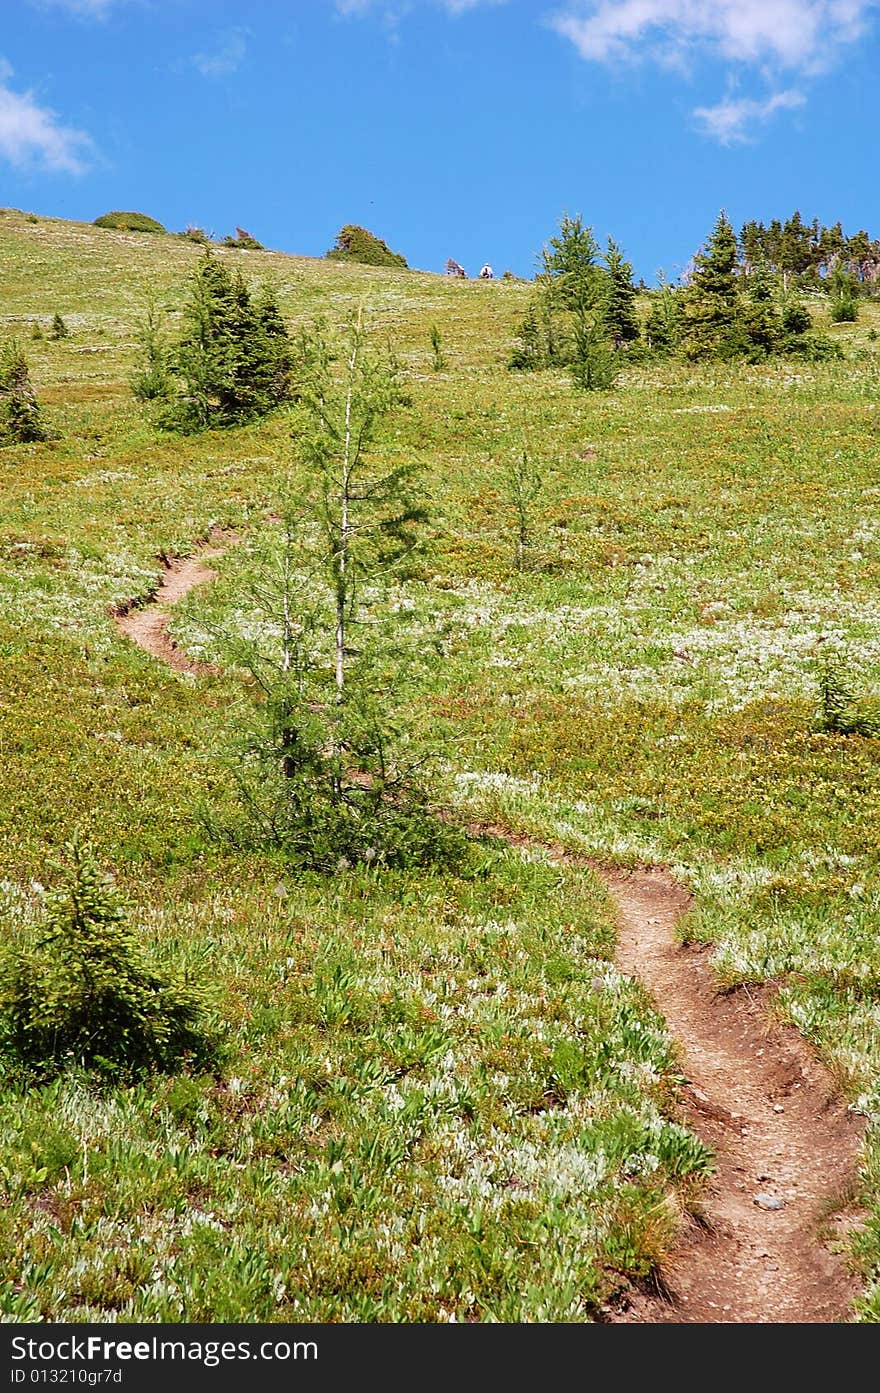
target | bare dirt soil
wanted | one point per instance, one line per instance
(768, 1244)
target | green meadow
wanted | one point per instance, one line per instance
(439, 1098)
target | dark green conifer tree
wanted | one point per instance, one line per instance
(234, 358)
(619, 308)
(570, 268)
(711, 328)
(758, 315)
(664, 322)
(21, 421)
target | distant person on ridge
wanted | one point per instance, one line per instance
(487, 273)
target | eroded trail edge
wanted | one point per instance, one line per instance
(768, 1245)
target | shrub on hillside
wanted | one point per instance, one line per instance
(85, 992)
(811, 348)
(129, 222)
(844, 309)
(357, 244)
(21, 421)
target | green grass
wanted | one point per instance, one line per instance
(443, 1103)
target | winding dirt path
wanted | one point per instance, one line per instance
(767, 1246)
(146, 624)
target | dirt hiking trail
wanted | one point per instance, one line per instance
(786, 1146)
(146, 624)
(767, 1244)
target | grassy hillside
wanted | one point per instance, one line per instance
(442, 1100)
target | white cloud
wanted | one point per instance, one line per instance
(770, 37)
(731, 120)
(226, 58)
(31, 134)
(793, 34)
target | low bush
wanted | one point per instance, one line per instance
(129, 222)
(243, 241)
(844, 309)
(355, 243)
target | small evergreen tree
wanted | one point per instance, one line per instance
(269, 363)
(86, 994)
(619, 308)
(796, 318)
(663, 327)
(523, 486)
(570, 270)
(21, 420)
(758, 316)
(710, 327)
(594, 365)
(59, 329)
(539, 341)
(438, 361)
(151, 379)
(332, 772)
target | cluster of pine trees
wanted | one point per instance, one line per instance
(583, 310)
(233, 362)
(724, 313)
(583, 313)
(807, 254)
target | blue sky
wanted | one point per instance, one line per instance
(460, 128)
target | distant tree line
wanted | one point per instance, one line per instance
(806, 255)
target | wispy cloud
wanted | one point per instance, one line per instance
(227, 57)
(733, 120)
(794, 34)
(764, 37)
(31, 134)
